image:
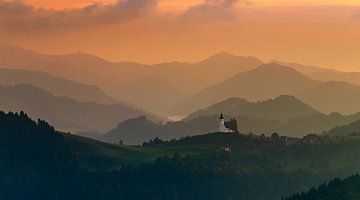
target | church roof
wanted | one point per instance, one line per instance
(221, 116)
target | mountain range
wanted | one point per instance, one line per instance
(65, 113)
(271, 80)
(179, 88)
(124, 80)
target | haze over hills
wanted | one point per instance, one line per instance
(118, 78)
(281, 108)
(324, 74)
(271, 80)
(65, 113)
(351, 129)
(138, 130)
(149, 93)
(266, 81)
(55, 85)
(173, 88)
(284, 114)
(333, 96)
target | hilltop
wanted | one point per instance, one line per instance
(281, 108)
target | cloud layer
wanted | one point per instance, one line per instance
(213, 10)
(18, 16)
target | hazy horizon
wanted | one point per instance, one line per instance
(175, 60)
(319, 33)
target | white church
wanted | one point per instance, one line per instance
(227, 126)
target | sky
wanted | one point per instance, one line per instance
(318, 32)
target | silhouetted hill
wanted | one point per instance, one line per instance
(352, 129)
(266, 81)
(55, 85)
(65, 113)
(281, 108)
(138, 130)
(333, 96)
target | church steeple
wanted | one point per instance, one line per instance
(221, 116)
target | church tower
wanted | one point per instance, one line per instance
(222, 127)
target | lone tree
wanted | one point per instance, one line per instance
(232, 125)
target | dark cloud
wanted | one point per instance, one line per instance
(212, 10)
(18, 16)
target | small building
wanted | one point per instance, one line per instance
(226, 149)
(227, 126)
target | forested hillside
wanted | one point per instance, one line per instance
(336, 189)
(37, 162)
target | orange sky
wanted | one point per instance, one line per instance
(183, 4)
(320, 32)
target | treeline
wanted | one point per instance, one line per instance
(337, 189)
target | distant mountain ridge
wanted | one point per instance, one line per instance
(118, 78)
(209, 81)
(55, 85)
(271, 80)
(333, 96)
(266, 81)
(64, 113)
(324, 74)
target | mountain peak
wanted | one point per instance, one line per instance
(223, 54)
(273, 71)
(274, 67)
(230, 59)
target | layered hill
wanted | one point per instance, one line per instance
(266, 81)
(351, 129)
(325, 74)
(214, 77)
(55, 85)
(65, 113)
(139, 130)
(271, 80)
(333, 96)
(124, 80)
(281, 108)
